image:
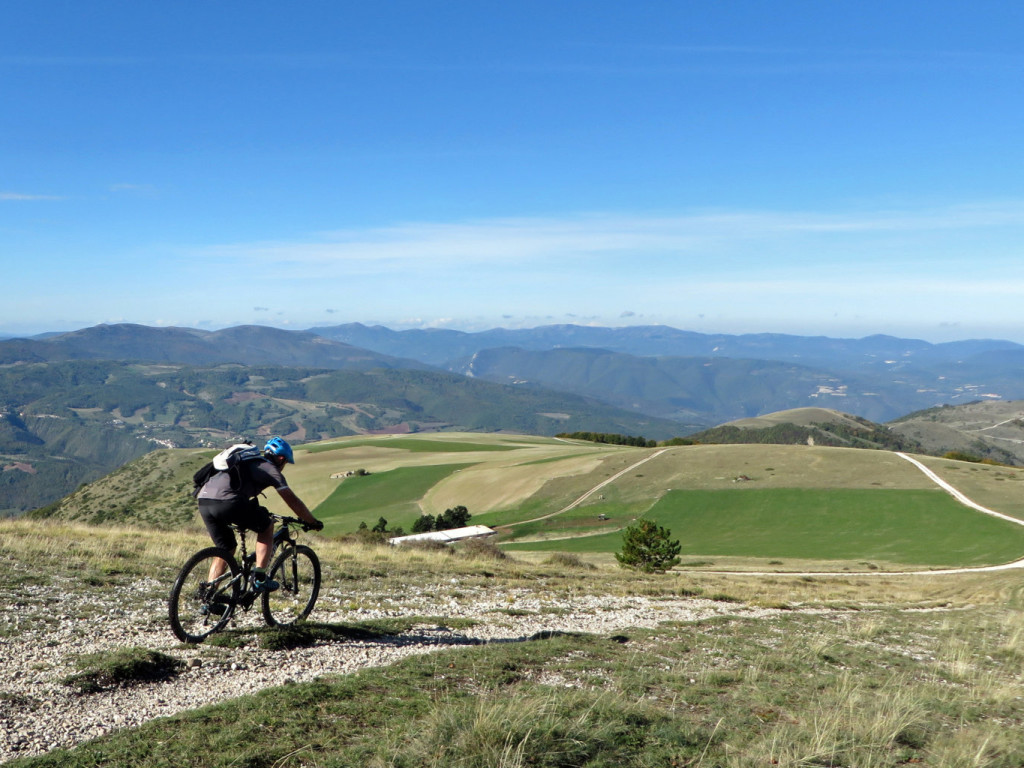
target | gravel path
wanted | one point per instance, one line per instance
(43, 631)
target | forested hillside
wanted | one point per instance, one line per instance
(709, 390)
(70, 422)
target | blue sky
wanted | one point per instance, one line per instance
(821, 168)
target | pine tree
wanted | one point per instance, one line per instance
(648, 547)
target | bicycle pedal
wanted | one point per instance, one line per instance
(216, 608)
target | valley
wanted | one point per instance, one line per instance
(76, 406)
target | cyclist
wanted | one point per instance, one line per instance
(223, 503)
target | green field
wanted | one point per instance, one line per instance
(393, 495)
(926, 528)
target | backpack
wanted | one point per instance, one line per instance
(227, 460)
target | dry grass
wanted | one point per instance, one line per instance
(995, 487)
(55, 547)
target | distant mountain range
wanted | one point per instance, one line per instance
(705, 379)
(244, 345)
(74, 405)
(696, 379)
(439, 347)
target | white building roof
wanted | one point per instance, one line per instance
(455, 534)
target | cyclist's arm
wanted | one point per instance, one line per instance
(296, 505)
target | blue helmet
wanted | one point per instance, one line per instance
(278, 447)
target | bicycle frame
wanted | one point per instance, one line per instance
(282, 535)
(247, 560)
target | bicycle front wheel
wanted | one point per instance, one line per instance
(297, 570)
(196, 607)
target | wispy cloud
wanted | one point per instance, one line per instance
(21, 197)
(754, 239)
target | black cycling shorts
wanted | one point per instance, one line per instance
(220, 515)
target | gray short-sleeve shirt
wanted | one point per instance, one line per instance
(256, 476)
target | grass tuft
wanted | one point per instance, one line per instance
(121, 668)
(569, 560)
(480, 549)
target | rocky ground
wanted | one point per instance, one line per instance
(44, 630)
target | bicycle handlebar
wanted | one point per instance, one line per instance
(285, 520)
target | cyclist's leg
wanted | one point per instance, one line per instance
(217, 567)
(256, 518)
(264, 546)
(218, 515)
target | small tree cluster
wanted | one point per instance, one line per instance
(648, 547)
(678, 441)
(446, 521)
(379, 532)
(610, 439)
(962, 456)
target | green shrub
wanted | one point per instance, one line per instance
(457, 517)
(480, 549)
(423, 524)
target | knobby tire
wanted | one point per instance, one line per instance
(299, 577)
(195, 612)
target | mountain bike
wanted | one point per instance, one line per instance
(197, 607)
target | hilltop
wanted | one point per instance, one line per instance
(802, 417)
(993, 430)
(983, 431)
(810, 426)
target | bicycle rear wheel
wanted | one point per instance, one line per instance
(297, 569)
(198, 608)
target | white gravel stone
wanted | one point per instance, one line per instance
(39, 713)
